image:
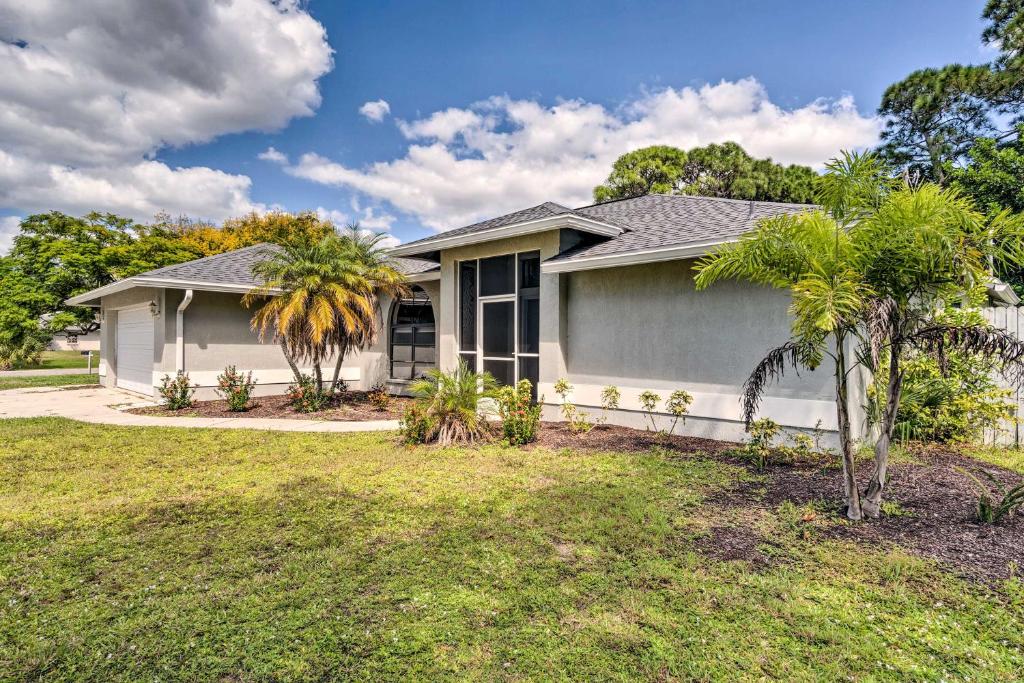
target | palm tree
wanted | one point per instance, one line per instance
(872, 265)
(809, 254)
(453, 403)
(321, 298)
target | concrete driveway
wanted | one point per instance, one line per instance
(100, 405)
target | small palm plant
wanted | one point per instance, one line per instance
(453, 404)
(995, 501)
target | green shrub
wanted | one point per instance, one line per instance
(379, 397)
(177, 391)
(415, 425)
(520, 417)
(760, 447)
(306, 397)
(954, 403)
(678, 405)
(609, 400)
(236, 388)
(649, 402)
(454, 404)
(578, 421)
(27, 351)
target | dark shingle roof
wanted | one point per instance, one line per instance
(655, 221)
(235, 267)
(545, 210)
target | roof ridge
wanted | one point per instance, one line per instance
(693, 196)
(206, 258)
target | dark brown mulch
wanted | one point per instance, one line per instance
(726, 543)
(352, 405)
(935, 516)
(556, 435)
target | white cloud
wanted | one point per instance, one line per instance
(89, 96)
(272, 155)
(375, 111)
(9, 228)
(503, 154)
(368, 221)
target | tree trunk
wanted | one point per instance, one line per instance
(853, 508)
(318, 376)
(337, 369)
(873, 496)
(291, 361)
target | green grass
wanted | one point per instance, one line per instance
(152, 553)
(53, 360)
(46, 381)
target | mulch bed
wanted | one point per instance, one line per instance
(352, 405)
(557, 435)
(935, 519)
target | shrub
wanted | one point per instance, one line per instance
(649, 402)
(379, 398)
(236, 388)
(760, 447)
(454, 405)
(997, 501)
(678, 405)
(520, 417)
(954, 401)
(578, 421)
(306, 397)
(177, 391)
(415, 425)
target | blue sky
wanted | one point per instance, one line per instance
(803, 79)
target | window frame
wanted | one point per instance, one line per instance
(414, 329)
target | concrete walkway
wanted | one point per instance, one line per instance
(100, 405)
(49, 372)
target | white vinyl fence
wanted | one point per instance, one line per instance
(1011, 319)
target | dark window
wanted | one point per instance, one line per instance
(412, 336)
(498, 275)
(529, 270)
(499, 328)
(529, 324)
(529, 368)
(467, 305)
(503, 370)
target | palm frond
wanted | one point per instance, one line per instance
(795, 353)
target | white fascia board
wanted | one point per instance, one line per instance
(504, 232)
(428, 276)
(631, 258)
(1003, 292)
(158, 283)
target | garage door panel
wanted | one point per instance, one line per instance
(134, 355)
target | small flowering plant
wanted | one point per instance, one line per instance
(520, 417)
(306, 397)
(236, 388)
(177, 391)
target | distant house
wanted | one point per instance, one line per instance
(600, 295)
(76, 338)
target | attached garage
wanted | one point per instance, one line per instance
(134, 354)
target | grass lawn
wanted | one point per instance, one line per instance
(53, 360)
(154, 553)
(47, 381)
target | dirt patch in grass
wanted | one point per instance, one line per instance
(929, 509)
(556, 435)
(350, 406)
(727, 543)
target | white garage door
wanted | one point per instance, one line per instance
(135, 350)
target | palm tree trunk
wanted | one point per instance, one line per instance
(873, 496)
(318, 376)
(853, 507)
(337, 368)
(291, 360)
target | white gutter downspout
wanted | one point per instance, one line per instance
(179, 330)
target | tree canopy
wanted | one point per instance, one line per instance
(716, 170)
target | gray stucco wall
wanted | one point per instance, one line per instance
(139, 296)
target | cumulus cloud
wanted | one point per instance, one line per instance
(367, 218)
(272, 155)
(9, 226)
(88, 97)
(504, 154)
(375, 111)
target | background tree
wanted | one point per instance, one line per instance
(724, 170)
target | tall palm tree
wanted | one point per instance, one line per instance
(321, 298)
(871, 265)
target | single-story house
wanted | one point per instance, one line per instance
(600, 295)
